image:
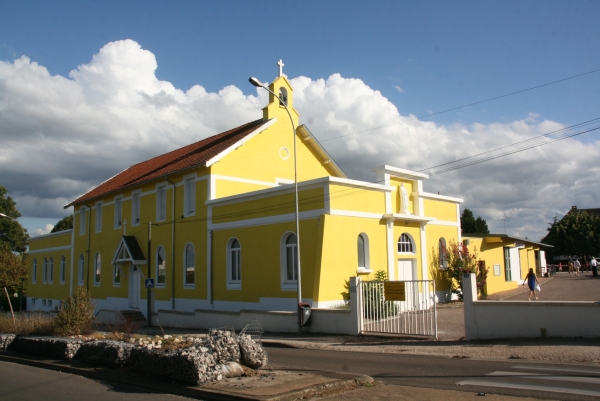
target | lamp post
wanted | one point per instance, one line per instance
(22, 258)
(259, 84)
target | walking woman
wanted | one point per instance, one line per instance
(531, 280)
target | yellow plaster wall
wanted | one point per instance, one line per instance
(339, 260)
(278, 204)
(229, 187)
(441, 210)
(493, 254)
(53, 288)
(261, 158)
(261, 261)
(344, 197)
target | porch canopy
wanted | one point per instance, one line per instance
(129, 250)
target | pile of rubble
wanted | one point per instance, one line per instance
(196, 360)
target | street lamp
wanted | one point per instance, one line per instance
(258, 84)
(23, 259)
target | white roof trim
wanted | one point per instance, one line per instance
(401, 173)
(239, 143)
(51, 234)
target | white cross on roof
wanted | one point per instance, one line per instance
(280, 64)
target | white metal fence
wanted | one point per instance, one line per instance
(415, 314)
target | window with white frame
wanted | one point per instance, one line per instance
(34, 272)
(45, 271)
(289, 261)
(118, 212)
(234, 266)
(98, 217)
(161, 267)
(97, 268)
(443, 252)
(50, 270)
(82, 221)
(116, 275)
(63, 268)
(363, 252)
(135, 209)
(189, 265)
(161, 203)
(80, 268)
(405, 244)
(189, 201)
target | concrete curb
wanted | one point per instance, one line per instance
(341, 381)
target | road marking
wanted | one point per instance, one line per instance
(530, 387)
(535, 367)
(578, 379)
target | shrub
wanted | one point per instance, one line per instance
(76, 314)
(25, 324)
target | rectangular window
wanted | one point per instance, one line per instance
(135, 209)
(118, 212)
(63, 267)
(98, 217)
(161, 203)
(116, 275)
(82, 221)
(507, 271)
(189, 203)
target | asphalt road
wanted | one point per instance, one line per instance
(507, 377)
(26, 383)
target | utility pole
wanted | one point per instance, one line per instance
(149, 290)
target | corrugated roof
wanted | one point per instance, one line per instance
(196, 154)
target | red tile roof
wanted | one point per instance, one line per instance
(194, 155)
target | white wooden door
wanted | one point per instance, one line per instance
(134, 286)
(406, 273)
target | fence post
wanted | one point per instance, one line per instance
(469, 288)
(355, 304)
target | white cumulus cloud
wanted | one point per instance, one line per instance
(63, 135)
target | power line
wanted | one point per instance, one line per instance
(466, 105)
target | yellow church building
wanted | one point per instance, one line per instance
(213, 224)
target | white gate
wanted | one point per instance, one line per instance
(415, 315)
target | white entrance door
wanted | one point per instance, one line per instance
(134, 286)
(406, 273)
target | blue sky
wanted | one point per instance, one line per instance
(421, 57)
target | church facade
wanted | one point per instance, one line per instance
(213, 225)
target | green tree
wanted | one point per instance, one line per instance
(13, 275)
(578, 233)
(472, 225)
(65, 223)
(12, 234)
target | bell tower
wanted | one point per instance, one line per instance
(276, 107)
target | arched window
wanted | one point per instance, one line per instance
(190, 265)
(50, 270)
(161, 267)
(97, 269)
(291, 258)
(34, 273)
(81, 269)
(405, 244)
(63, 267)
(45, 271)
(443, 254)
(234, 266)
(363, 251)
(283, 96)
